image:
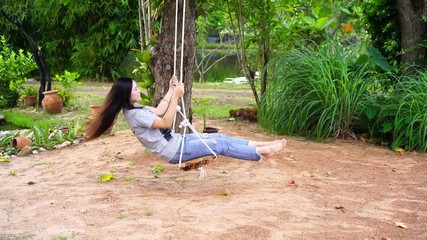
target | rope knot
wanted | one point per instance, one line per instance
(184, 123)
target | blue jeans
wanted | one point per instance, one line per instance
(219, 143)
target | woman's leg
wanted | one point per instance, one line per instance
(227, 146)
(219, 144)
(266, 143)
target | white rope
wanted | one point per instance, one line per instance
(185, 123)
(202, 172)
(181, 71)
(174, 52)
(176, 32)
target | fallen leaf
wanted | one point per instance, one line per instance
(340, 208)
(223, 192)
(400, 150)
(106, 177)
(4, 160)
(400, 224)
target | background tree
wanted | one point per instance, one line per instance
(412, 18)
(94, 49)
(218, 50)
(38, 56)
(397, 29)
(256, 14)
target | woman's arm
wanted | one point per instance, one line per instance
(161, 109)
(166, 120)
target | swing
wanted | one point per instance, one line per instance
(197, 163)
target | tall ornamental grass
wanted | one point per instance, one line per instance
(404, 115)
(315, 93)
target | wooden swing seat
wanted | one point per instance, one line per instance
(197, 163)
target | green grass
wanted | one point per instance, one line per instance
(28, 117)
(315, 93)
(404, 115)
(94, 93)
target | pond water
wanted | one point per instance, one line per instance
(229, 67)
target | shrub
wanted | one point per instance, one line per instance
(14, 66)
(315, 93)
(69, 83)
(29, 91)
(403, 117)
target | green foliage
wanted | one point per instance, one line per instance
(316, 93)
(42, 137)
(6, 146)
(25, 119)
(148, 213)
(106, 177)
(381, 20)
(96, 36)
(4, 160)
(156, 170)
(28, 91)
(68, 82)
(49, 137)
(143, 76)
(6, 141)
(129, 178)
(202, 108)
(14, 66)
(403, 117)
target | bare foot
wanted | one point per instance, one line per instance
(284, 142)
(271, 149)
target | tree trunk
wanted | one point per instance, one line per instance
(413, 28)
(162, 60)
(38, 57)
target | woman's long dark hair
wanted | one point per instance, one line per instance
(118, 97)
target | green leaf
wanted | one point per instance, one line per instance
(147, 83)
(387, 127)
(321, 23)
(379, 59)
(371, 112)
(4, 160)
(146, 56)
(309, 20)
(106, 177)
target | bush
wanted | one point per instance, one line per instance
(29, 91)
(403, 118)
(14, 66)
(316, 93)
(69, 83)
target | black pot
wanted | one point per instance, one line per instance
(210, 130)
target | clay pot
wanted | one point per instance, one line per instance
(52, 102)
(96, 110)
(210, 130)
(21, 141)
(29, 101)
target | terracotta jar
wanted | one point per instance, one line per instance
(96, 110)
(21, 141)
(29, 101)
(52, 102)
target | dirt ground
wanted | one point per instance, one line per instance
(342, 190)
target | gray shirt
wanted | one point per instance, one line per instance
(141, 120)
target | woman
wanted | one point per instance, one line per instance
(152, 127)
